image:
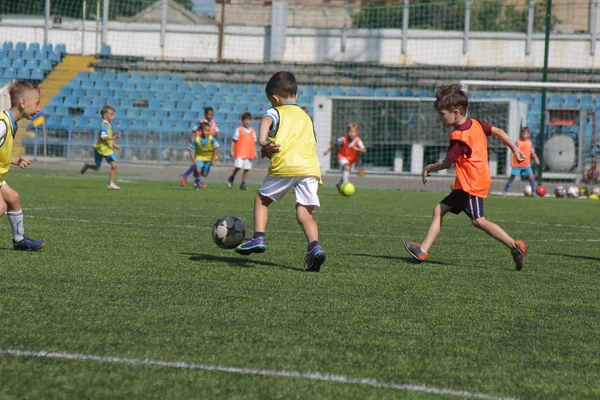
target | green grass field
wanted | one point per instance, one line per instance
(134, 274)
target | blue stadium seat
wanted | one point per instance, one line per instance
(14, 55)
(98, 102)
(170, 87)
(480, 95)
(497, 95)
(197, 106)
(182, 88)
(154, 104)
(132, 112)
(571, 101)
(586, 102)
(5, 63)
(154, 125)
(37, 75)
(84, 102)
(256, 109)
(47, 47)
(99, 84)
(161, 114)
(254, 89)
(91, 112)
(240, 108)
(115, 84)
(351, 92)
(24, 74)
(138, 125)
(366, 92)
(109, 76)
(555, 101)
(211, 88)
(147, 114)
(337, 91)
(18, 64)
(61, 49)
(181, 126)
(61, 110)
(425, 93)
(49, 109)
(105, 51)
(239, 88)
(308, 91)
(129, 86)
(45, 65)
(142, 86)
(87, 84)
(34, 47)
(80, 123)
(156, 87)
(54, 57)
(122, 123)
(53, 122)
(378, 93)
(7, 46)
(323, 91)
(136, 77)
(163, 78)
(66, 122)
(21, 47)
(122, 76)
(31, 64)
(247, 99)
(197, 88)
(94, 123)
(78, 92)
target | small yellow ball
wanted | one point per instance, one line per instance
(348, 189)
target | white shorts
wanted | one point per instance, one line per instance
(343, 162)
(275, 187)
(242, 163)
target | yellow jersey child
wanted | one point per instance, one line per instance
(24, 103)
(294, 163)
(203, 152)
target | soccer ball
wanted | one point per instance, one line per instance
(348, 189)
(573, 191)
(528, 191)
(540, 191)
(560, 191)
(593, 196)
(228, 232)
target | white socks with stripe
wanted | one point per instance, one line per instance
(16, 223)
(345, 176)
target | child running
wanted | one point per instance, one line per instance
(203, 152)
(523, 168)
(469, 154)
(294, 163)
(24, 103)
(350, 147)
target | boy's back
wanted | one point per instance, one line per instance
(293, 131)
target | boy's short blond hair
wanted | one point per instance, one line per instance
(18, 89)
(352, 127)
(451, 97)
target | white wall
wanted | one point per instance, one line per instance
(200, 42)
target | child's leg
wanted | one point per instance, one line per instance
(494, 231)
(435, 226)
(345, 174)
(245, 175)
(261, 214)
(532, 182)
(306, 221)
(198, 179)
(11, 203)
(234, 173)
(188, 171)
(509, 182)
(113, 171)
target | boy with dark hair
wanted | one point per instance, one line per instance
(24, 103)
(203, 152)
(294, 163)
(469, 154)
(103, 149)
(243, 150)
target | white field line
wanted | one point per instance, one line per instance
(316, 376)
(206, 227)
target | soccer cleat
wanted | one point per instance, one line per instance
(85, 167)
(28, 244)
(197, 187)
(243, 186)
(519, 254)
(183, 181)
(314, 259)
(339, 187)
(415, 251)
(230, 182)
(251, 245)
(112, 186)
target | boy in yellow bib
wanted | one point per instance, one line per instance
(203, 152)
(294, 163)
(24, 103)
(103, 149)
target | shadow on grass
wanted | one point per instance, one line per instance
(408, 260)
(238, 261)
(574, 256)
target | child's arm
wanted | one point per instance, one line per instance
(535, 158)
(116, 146)
(503, 136)
(442, 164)
(329, 149)
(21, 161)
(232, 150)
(118, 135)
(267, 148)
(361, 150)
(215, 156)
(191, 149)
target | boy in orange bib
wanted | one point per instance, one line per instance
(243, 150)
(469, 154)
(350, 146)
(523, 168)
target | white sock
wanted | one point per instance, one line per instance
(345, 176)
(16, 223)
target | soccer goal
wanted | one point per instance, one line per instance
(403, 134)
(568, 116)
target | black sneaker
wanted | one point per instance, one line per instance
(243, 186)
(230, 182)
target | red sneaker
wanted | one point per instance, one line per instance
(183, 181)
(203, 185)
(415, 251)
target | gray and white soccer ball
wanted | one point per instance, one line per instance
(560, 191)
(528, 191)
(228, 232)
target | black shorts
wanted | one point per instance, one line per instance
(461, 201)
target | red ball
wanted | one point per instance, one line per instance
(540, 191)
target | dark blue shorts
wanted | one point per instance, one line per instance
(99, 157)
(461, 201)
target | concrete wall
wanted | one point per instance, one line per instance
(246, 43)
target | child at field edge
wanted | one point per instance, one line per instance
(24, 103)
(243, 150)
(523, 168)
(469, 153)
(203, 152)
(103, 149)
(350, 147)
(294, 163)
(209, 113)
